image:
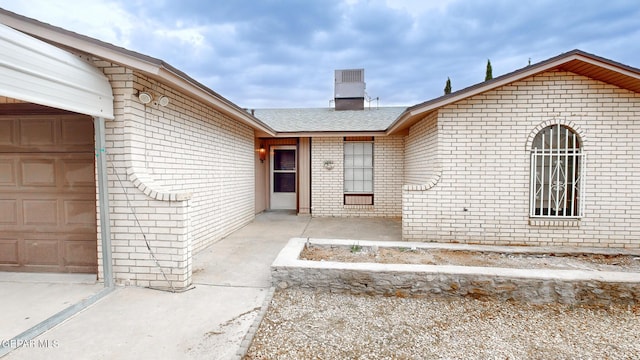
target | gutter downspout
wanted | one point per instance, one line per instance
(103, 199)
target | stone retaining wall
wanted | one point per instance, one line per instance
(537, 286)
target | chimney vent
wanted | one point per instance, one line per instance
(349, 89)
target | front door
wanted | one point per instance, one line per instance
(283, 177)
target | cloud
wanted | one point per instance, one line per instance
(282, 53)
(108, 21)
(193, 37)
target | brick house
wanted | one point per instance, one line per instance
(175, 169)
(545, 155)
(157, 166)
(336, 149)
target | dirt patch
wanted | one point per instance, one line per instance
(391, 255)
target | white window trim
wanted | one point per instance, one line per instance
(372, 167)
(358, 199)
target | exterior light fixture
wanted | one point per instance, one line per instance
(163, 100)
(262, 153)
(328, 164)
(145, 97)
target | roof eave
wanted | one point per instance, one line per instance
(192, 87)
(289, 134)
(419, 111)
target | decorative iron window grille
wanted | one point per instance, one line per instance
(557, 174)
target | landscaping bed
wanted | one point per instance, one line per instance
(449, 301)
(431, 256)
(597, 277)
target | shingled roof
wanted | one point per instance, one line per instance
(328, 119)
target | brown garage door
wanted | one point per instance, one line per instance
(47, 194)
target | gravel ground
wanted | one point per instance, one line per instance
(306, 324)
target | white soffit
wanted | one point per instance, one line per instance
(34, 71)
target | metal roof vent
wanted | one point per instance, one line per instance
(349, 89)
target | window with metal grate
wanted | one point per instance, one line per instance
(557, 167)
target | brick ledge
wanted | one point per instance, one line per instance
(145, 183)
(356, 206)
(554, 222)
(424, 187)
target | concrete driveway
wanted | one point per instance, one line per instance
(231, 282)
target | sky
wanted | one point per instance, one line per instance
(282, 54)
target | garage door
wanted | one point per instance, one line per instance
(47, 194)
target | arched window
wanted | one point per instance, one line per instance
(556, 173)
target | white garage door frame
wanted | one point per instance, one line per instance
(37, 72)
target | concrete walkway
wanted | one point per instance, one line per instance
(28, 298)
(231, 281)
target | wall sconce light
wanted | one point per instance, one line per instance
(145, 97)
(262, 153)
(328, 164)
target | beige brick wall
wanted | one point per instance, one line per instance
(484, 156)
(327, 185)
(180, 175)
(421, 151)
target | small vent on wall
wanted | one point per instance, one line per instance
(358, 138)
(358, 199)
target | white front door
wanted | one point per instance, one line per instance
(283, 177)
